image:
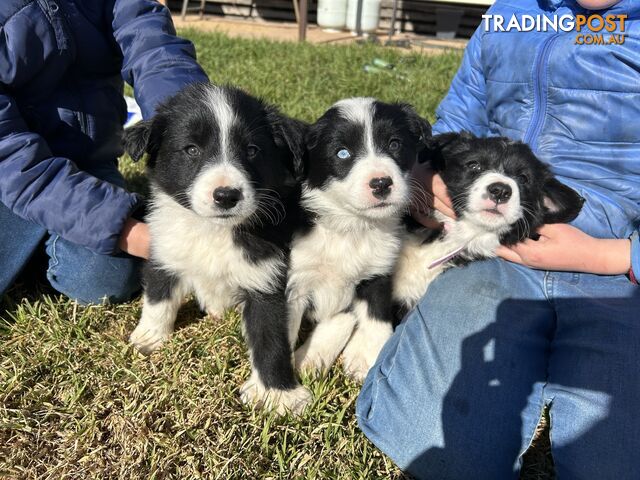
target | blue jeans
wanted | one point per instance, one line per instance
(73, 270)
(458, 390)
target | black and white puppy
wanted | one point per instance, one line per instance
(223, 168)
(355, 193)
(501, 193)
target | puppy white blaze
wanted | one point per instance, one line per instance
(479, 202)
(360, 110)
(225, 118)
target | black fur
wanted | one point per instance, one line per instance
(376, 293)
(268, 338)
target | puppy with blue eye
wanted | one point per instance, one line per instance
(355, 193)
(224, 169)
(501, 194)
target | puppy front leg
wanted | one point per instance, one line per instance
(325, 342)
(374, 313)
(162, 298)
(273, 383)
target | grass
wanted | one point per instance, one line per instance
(78, 402)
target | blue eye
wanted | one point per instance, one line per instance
(343, 154)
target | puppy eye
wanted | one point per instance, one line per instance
(192, 151)
(343, 154)
(475, 166)
(394, 145)
(523, 179)
(252, 151)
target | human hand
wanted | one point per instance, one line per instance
(436, 196)
(562, 247)
(135, 238)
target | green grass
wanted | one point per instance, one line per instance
(76, 401)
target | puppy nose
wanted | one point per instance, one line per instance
(499, 192)
(381, 186)
(226, 197)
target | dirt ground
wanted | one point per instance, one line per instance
(282, 31)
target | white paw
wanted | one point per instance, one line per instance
(309, 362)
(147, 339)
(280, 401)
(356, 366)
(361, 353)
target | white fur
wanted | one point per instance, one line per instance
(213, 267)
(222, 175)
(225, 118)
(365, 344)
(156, 323)
(323, 347)
(281, 401)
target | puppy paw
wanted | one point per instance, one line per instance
(253, 392)
(356, 366)
(311, 363)
(361, 353)
(147, 340)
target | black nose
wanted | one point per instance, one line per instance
(381, 187)
(499, 192)
(227, 197)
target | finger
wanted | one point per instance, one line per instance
(440, 191)
(442, 207)
(509, 254)
(426, 219)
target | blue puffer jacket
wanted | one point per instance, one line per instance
(578, 106)
(62, 65)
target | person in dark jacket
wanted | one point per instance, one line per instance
(458, 391)
(62, 68)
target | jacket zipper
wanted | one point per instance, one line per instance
(539, 91)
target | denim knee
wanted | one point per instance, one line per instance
(90, 278)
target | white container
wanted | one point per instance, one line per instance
(370, 16)
(332, 13)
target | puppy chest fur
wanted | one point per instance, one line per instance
(213, 266)
(327, 264)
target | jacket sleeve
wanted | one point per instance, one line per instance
(464, 107)
(635, 255)
(52, 192)
(156, 62)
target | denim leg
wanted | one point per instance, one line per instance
(456, 393)
(594, 377)
(86, 276)
(19, 239)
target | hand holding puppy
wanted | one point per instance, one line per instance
(562, 247)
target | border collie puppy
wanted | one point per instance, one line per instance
(223, 168)
(501, 193)
(355, 193)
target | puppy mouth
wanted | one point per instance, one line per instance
(493, 211)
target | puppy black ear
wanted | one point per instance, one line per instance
(136, 139)
(440, 146)
(289, 133)
(419, 126)
(561, 203)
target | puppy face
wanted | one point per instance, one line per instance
(219, 151)
(501, 185)
(359, 156)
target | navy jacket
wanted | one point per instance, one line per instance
(578, 106)
(62, 66)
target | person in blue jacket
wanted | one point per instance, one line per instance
(62, 67)
(459, 389)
